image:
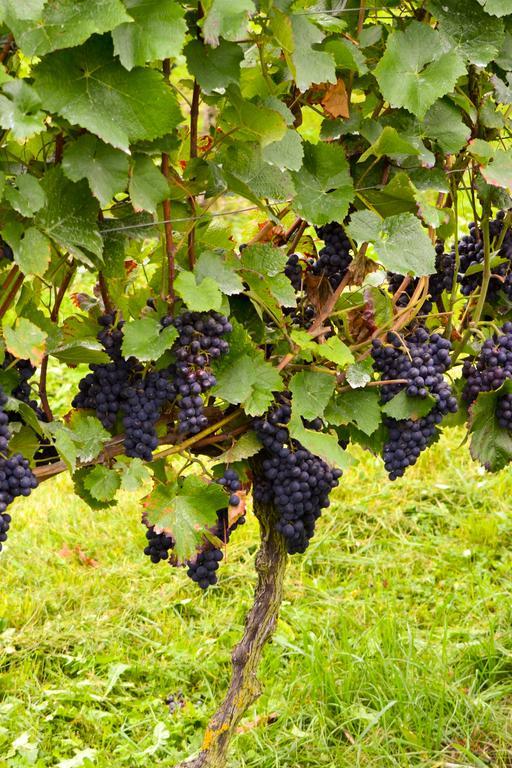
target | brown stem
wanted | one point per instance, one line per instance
(105, 296)
(300, 231)
(244, 687)
(11, 295)
(59, 147)
(54, 316)
(267, 227)
(10, 277)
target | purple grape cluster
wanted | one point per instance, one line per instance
(295, 481)
(493, 366)
(142, 403)
(294, 272)
(420, 360)
(203, 568)
(200, 340)
(16, 477)
(471, 253)
(336, 256)
(159, 545)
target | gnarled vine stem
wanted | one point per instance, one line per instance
(244, 687)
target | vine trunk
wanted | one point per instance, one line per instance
(244, 687)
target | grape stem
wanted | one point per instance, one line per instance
(244, 688)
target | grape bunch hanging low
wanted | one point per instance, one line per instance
(420, 360)
(202, 568)
(292, 478)
(492, 369)
(16, 477)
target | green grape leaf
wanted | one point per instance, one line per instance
(20, 111)
(287, 153)
(155, 31)
(79, 479)
(32, 252)
(198, 296)
(322, 444)
(346, 54)
(246, 446)
(214, 68)
(473, 34)
(146, 340)
(311, 391)
(26, 341)
(221, 269)
(402, 406)
(417, 68)
(91, 89)
(336, 351)
(498, 172)
(244, 377)
(105, 168)
(225, 18)
(65, 442)
(359, 407)
(249, 175)
(497, 7)
(389, 144)
(401, 243)
(148, 186)
(60, 23)
(443, 122)
(263, 259)
(134, 474)
(359, 374)
(26, 196)
(185, 512)
(324, 185)
(490, 444)
(102, 483)
(309, 65)
(90, 435)
(257, 121)
(70, 216)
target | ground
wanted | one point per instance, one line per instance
(394, 646)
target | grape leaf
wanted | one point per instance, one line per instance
(26, 195)
(499, 171)
(402, 406)
(214, 68)
(155, 31)
(79, 478)
(32, 252)
(335, 350)
(249, 175)
(401, 243)
(359, 407)
(324, 445)
(105, 168)
(222, 269)
(91, 89)
(248, 445)
(185, 512)
(61, 23)
(70, 216)
(257, 121)
(102, 483)
(198, 296)
(389, 144)
(90, 435)
(20, 110)
(307, 64)
(359, 374)
(148, 186)
(311, 391)
(497, 7)
(287, 153)
(225, 18)
(146, 340)
(26, 341)
(65, 443)
(324, 185)
(444, 123)
(134, 473)
(490, 444)
(475, 35)
(417, 68)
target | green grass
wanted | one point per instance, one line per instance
(394, 646)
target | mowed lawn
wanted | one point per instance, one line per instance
(394, 646)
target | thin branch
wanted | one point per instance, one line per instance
(10, 277)
(6, 48)
(300, 231)
(105, 296)
(54, 316)
(11, 295)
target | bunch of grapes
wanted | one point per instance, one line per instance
(159, 545)
(295, 481)
(336, 256)
(420, 360)
(102, 389)
(16, 477)
(142, 404)
(471, 253)
(202, 569)
(493, 367)
(441, 280)
(294, 272)
(200, 341)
